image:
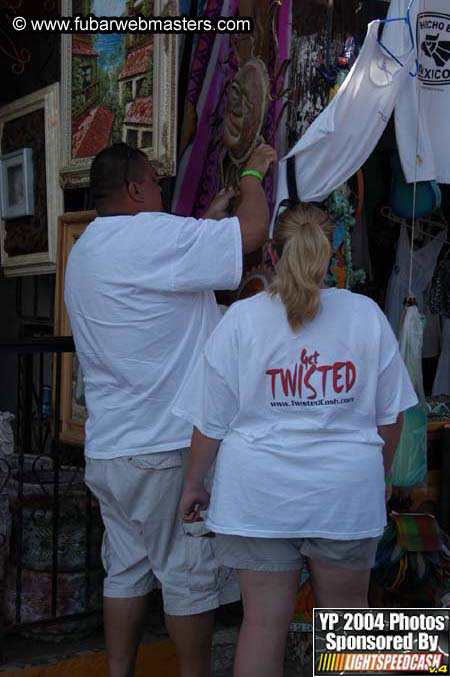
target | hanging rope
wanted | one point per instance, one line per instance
(413, 225)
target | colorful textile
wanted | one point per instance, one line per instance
(417, 532)
(212, 67)
(341, 273)
(197, 175)
(414, 555)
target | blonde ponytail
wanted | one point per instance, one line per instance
(302, 240)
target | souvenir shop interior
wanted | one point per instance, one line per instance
(358, 113)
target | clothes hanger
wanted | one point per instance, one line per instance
(407, 20)
(442, 225)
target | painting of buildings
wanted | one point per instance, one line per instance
(112, 82)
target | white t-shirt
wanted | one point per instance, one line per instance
(430, 22)
(138, 294)
(343, 136)
(298, 415)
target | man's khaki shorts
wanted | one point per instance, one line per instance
(145, 538)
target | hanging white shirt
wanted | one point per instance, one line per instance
(423, 264)
(298, 415)
(138, 290)
(341, 139)
(429, 92)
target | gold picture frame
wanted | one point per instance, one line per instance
(28, 244)
(71, 226)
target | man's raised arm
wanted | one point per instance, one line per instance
(253, 210)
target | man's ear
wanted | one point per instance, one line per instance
(135, 191)
(272, 252)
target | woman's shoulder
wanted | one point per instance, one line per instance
(253, 303)
(347, 297)
(354, 307)
(249, 313)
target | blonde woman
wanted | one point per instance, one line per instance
(299, 394)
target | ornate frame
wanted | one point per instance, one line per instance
(48, 100)
(162, 154)
(71, 225)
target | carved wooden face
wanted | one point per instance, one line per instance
(246, 109)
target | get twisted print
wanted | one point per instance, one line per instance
(311, 380)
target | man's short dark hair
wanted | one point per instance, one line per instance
(111, 170)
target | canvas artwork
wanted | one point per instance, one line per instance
(118, 88)
(112, 88)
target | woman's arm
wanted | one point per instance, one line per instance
(202, 455)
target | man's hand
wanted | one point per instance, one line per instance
(193, 500)
(261, 158)
(220, 205)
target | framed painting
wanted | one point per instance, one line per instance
(73, 410)
(118, 88)
(28, 228)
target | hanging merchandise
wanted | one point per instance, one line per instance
(410, 461)
(401, 200)
(210, 68)
(336, 74)
(423, 264)
(341, 273)
(440, 289)
(343, 136)
(424, 102)
(441, 385)
(432, 332)
(413, 558)
(211, 100)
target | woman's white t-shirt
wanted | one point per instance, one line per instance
(298, 415)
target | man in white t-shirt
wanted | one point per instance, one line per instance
(139, 292)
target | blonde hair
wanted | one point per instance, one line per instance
(302, 240)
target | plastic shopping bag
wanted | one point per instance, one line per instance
(410, 461)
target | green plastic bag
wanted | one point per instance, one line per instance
(410, 461)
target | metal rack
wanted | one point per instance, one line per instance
(37, 434)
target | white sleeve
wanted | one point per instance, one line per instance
(208, 255)
(395, 392)
(209, 397)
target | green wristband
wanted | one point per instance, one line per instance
(253, 172)
(388, 480)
